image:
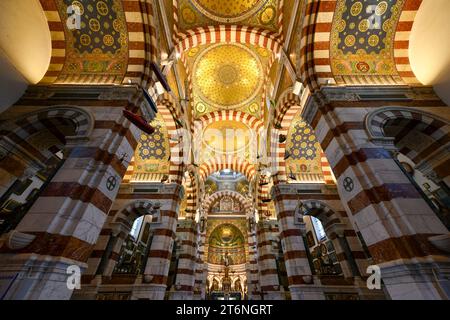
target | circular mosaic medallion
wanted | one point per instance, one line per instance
(356, 9)
(227, 76)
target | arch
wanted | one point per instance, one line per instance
(190, 187)
(135, 209)
(19, 130)
(144, 44)
(376, 120)
(167, 109)
(322, 211)
(422, 137)
(403, 41)
(251, 121)
(246, 203)
(315, 71)
(228, 33)
(227, 162)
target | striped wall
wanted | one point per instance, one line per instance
(372, 186)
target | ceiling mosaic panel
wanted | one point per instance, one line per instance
(304, 149)
(256, 13)
(152, 153)
(228, 76)
(99, 47)
(362, 38)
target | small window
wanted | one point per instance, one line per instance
(318, 228)
(136, 228)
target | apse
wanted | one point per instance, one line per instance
(430, 46)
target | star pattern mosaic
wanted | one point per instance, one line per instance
(153, 147)
(98, 45)
(362, 40)
(364, 25)
(303, 143)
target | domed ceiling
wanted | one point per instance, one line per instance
(228, 77)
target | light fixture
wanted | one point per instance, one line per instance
(298, 88)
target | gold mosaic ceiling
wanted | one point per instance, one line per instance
(228, 75)
(226, 10)
(256, 13)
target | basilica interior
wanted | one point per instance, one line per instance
(224, 150)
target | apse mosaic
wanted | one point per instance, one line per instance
(226, 238)
(228, 76)
(257, 13)
(153, 150)
(362, 37)
(303, 149)
(100, 45)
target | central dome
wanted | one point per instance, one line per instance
(228, 76)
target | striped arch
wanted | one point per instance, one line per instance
(143, 44)
(321, 211)
(435, 127)
(211, 200)
(227, 162)
(438, 130)
(58, 57)
(251, 121)
(314, 63)
(136, 209)
(167, 109)
(287, 108)
(21, 129)
(191, 192)
(263, 193)
(401, 42)
(228, 33)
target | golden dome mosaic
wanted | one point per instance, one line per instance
(228, 10)
(228, 76)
